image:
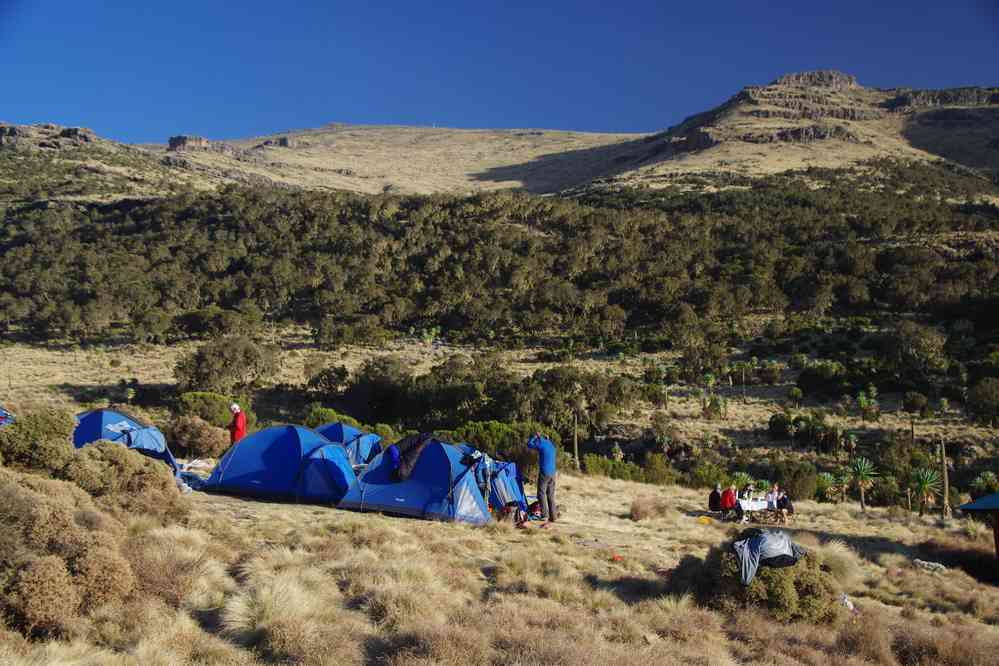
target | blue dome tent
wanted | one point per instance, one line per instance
(123, 429)
(287, 462)
(440, 487)
(6, 418)
(361, 446)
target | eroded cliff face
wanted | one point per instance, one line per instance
(806, 107)
(910, 100)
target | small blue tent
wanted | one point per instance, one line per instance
(6, 418)
(123, 429)
(506, 487)
(361, 446)
(499, 481)
(288, 462)
(341, 433)
(440, 487)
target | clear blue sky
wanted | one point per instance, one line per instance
(141, 71)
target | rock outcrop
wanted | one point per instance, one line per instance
(802, 135)
(188, 142)
(822, 78)
(908, 100)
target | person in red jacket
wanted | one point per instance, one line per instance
(728, 499)
(237, 428)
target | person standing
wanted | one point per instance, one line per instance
(546, 475)
(237, 427)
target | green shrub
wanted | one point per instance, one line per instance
(769, 373)
(798, 479)
(915, 403)
(41, 441)
(331, 380)
(825, 487)
(597, 465)
(226, 364)
(194, 437)
(707, 474)
(214, 408)
(983, 400)
(803, 591)
(386, 432)
(824, 378)
(779, 426)
(316, 415)
(125, 481)
(659, 471)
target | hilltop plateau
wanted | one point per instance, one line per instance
(820, 119)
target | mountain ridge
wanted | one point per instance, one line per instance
(821, 118)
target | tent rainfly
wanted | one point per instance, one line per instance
(987, 505)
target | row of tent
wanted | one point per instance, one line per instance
(113, 426)
(334, 464)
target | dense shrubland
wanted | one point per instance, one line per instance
(614, 267)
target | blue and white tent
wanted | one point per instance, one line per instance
(284, 462)
(6, 418)
(499, 481)
(361, 446)
(506, 487)
(123, 429)
(440, 487)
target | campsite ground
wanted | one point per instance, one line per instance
(257, 582)
(249, 582)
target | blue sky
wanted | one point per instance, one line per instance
(226, 69)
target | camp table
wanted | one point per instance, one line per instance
(753, 505)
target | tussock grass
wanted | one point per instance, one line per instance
(253, 582)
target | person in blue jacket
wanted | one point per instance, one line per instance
(546, 475)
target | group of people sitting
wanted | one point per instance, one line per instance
(729, 502)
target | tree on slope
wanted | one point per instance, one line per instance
(863, 473)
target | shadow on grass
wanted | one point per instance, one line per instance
(557, 171)
(868, 547)
(629, 589)
(979, 562)
(146, 395)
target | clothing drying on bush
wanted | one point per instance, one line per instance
(410, 449)
(768, 548)
(122, 429)
(289, 462)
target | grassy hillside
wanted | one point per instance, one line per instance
(808, 120)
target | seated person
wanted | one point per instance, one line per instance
(773, 496)
(747, 492)
(784, 506)
(714, 499)
(728, 500)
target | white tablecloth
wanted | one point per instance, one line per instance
(753, 505)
